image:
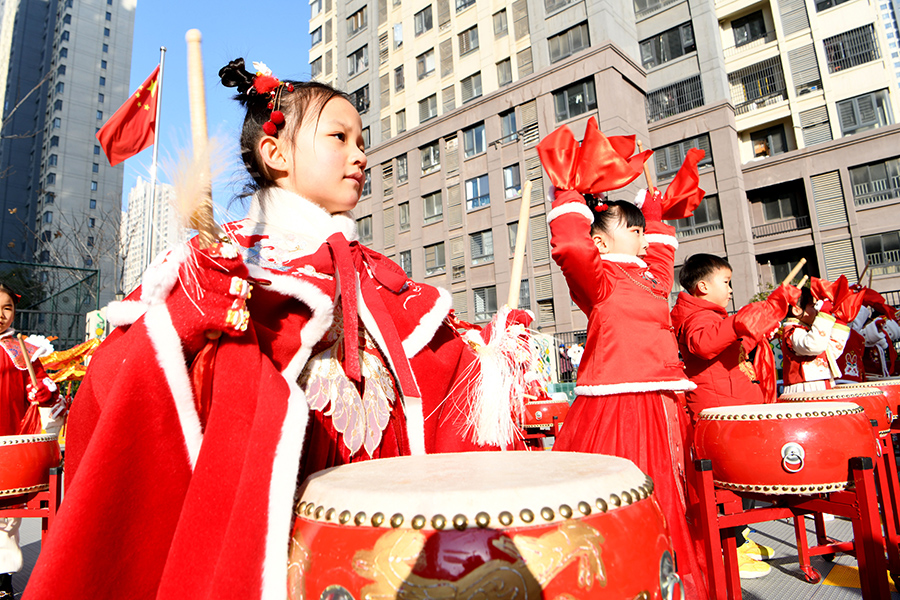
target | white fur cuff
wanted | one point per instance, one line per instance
(572, 207)
(661, 238)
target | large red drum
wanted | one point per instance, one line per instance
(789, 448)
(873, 400)
(539, 413)
(890, 386)
(510, 525)
(25, 462)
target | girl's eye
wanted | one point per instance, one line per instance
(340, 136)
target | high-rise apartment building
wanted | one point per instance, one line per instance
(794, 102)
(67, 197)
(136, 236)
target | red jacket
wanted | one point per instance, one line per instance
(715, 357)
(630, 346)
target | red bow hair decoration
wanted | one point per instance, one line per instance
(599, 164)
(266, 84)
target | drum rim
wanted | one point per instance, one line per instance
(12, 440)
(783, 489)
(812, 412)
(842, 392)
(24, 490)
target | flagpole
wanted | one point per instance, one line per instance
(148, 254)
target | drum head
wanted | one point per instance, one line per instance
(753, 412)
(837, 394)
(508, 488)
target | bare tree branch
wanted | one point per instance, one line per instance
(24, 98)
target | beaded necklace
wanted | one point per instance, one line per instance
(655, 294)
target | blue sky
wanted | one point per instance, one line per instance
(275, 32)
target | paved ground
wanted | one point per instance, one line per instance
(840, 580)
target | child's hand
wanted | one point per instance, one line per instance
(760, 318)
(42, 393)
(650, 204)
(210, 296)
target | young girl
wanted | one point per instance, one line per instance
(620, 278)
(16, 394)
(187, 444)
(811, 342)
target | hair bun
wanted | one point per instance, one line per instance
(235, 75)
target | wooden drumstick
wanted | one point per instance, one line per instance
(646, 168)
(790, 276)
(28, 364)
(515, 281)
(202, 219)
(803, 281)
(863, 274)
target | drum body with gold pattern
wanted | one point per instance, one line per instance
(890, 386)
(784, 448)
(874, 401)
(505, 525)
(25, 462)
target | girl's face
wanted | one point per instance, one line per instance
(7, 311)
(326, 162)
(622, 240)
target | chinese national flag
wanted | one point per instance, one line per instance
(131, 128)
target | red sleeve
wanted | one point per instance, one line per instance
(661, 252)
(576, 254)
(706, 335)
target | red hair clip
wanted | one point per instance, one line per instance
(266, 83)
(601, 207)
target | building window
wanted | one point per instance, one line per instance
(102, 81)
(485, 302)
(364, 229)
(54, 141)
(90, 241)
(48, 217)
(434, 207)
(425, 64)
(669, 158)
(367, 138)
(360, 99)
(525, 294)
(504, 72)
(823, 4)
(674, 99)
(92, 222)
(51, 178)
(463, 4)
(474, 141)
(865, 112)
(768, 142)
(704, 220)
(668, 45)
(95, 168)
(422, 20)
(52, 160)
(512, 186)
(106, 32)
(60, 87)
(876, 182)
(401, 120)
(478, 193)
(512, 230)
(402, 169)
(99, 115)
(749, 28)
(61, 70)
(404, 215)
(46, 236)
(93, 186)
(92, 203)
(357, 21)
(315, 7)
(64, 37)
(399, 82)
(67, 20)
(575, 100)
(358, 61)
(468, 40)
(851, 48)
(568, 42)
(315, 37)
(63, 52)
(106, 47)
(431, 158)
(554, 5)
(435, 262)
(315, 68)
(481, 245)
(406, 262)
(109, 16)
(398, 35)
(102, 64)
(367, 184)
(501, 26)
(780, 208)
(100, 98)
(471, 87)
(508, 129)
(58, 105)
(428, 108)
(57, 123)
(883, 252)
(96, 149)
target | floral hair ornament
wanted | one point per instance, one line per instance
(266, 84)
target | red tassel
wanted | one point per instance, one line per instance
(202, 378)
(31, 422)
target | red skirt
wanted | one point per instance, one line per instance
(645, 428)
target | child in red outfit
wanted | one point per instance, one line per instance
(16, 394)
(810, 340)
(620, 277)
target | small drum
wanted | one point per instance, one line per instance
(873, 400)
(539, 413)
(510, 525)
(890, 386)
(25, 462)
(789, 448)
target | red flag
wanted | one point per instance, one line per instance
(844, 300)
(131, 128)
(684, 195)
(606, 163)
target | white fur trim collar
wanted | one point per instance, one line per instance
(624, 258)
(634, 388)
(280, 213)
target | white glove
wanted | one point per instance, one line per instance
(892, 329)
(874, 336)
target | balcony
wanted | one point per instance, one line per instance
(750, 46)
(792, 224)
(884, 262)
(875, 191)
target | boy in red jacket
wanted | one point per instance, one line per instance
(714, 347)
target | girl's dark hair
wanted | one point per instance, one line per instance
(806, 298)
(306, 96)
(10, 292)
(616, 212)
(699, 267)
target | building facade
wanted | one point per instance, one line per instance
(793, 101)
(141, 243)
(80, 62)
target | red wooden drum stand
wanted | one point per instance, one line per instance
(511, 525)
(877, 406)
(30, 477)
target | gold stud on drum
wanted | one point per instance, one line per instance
(506, 518)
(360, 518)
(602, 505)
(344, 517)
(377, 519)
(627, 498)
(309, 509)
(565, 511)
(584, 508)
(547, 513)
(418, 522)
(438, 522)
(329, 514)
(319, 512)
(615, 500)
(396, 520)
(483, 519)
(526, 515)
(460, 522)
